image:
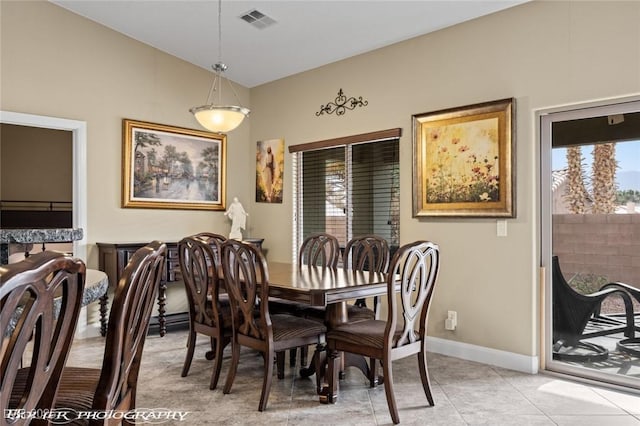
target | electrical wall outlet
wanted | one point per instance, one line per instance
(452, 320)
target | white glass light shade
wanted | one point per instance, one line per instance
(219, 119)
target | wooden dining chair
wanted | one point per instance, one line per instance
(247, 279)
(40, 299)
(322, 250)
(415, 269)
(113, 387)
(365, 253)
(209, 313)
(319, 249)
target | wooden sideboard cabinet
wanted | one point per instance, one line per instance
(112, 259)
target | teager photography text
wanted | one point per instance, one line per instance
(66, 415)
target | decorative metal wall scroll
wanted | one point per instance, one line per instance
(341, 104)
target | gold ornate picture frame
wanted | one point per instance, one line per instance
(166, 167)
(464, 161)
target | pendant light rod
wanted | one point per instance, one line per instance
(220, 32)
(219, 67)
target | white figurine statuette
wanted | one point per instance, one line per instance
(238, 217)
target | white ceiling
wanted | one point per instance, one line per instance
(307, 34)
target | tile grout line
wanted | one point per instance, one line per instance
(524, 396)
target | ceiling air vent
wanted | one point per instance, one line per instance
(258, 19)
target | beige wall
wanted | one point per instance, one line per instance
(22, 175)
(542, 53)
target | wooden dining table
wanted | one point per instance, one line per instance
(326, 287)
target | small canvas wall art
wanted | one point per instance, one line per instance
(269, 170)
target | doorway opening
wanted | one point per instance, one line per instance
(78, 131)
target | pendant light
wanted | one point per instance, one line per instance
(219, 118)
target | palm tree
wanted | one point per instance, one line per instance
(603, 178)
(576, 193)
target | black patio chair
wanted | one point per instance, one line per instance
(577, 317)
(629, 345)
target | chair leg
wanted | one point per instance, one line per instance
(304, 352)
(266, 383)
(292, 357)
(388, 390)
(212, 353)
(424, 376)
(217, 365)
(376, 311)
(280, 364)
(373, 372)
(191, 345)
(233, 368)
(319, 365)
(131, 406)
(342, 374)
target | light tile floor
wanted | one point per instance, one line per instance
(465, 393)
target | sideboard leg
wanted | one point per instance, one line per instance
(162, 302)
(104, 300)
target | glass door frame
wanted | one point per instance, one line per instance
(545, 119)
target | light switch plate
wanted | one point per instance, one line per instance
(501, 228)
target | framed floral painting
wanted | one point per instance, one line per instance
(463, 161)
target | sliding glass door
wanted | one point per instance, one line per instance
(590, 227)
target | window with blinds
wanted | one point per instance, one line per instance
(348, 187)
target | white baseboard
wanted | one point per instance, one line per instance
(509, 360)
(84, 328)
(88, 331)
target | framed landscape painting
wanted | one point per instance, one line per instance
(463, 161)
(172, 167)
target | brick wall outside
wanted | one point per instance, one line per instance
(601, 244)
